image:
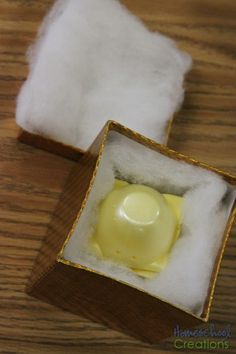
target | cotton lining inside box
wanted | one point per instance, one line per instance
(208, 200)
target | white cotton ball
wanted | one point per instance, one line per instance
(94, 61)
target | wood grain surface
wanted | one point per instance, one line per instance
(31, 180)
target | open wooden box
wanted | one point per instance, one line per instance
(81, 290)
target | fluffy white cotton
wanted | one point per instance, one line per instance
(207, 203)
(94, 61)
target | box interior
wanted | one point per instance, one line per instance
(208, 201)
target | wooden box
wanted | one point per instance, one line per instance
(84, 291)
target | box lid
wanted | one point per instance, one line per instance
(93, 62)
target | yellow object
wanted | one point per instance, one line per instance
(137, 226)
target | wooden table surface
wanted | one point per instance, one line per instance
(31, 180)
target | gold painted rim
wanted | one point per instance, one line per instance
(113, 125)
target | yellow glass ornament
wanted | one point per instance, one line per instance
(137, 226)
